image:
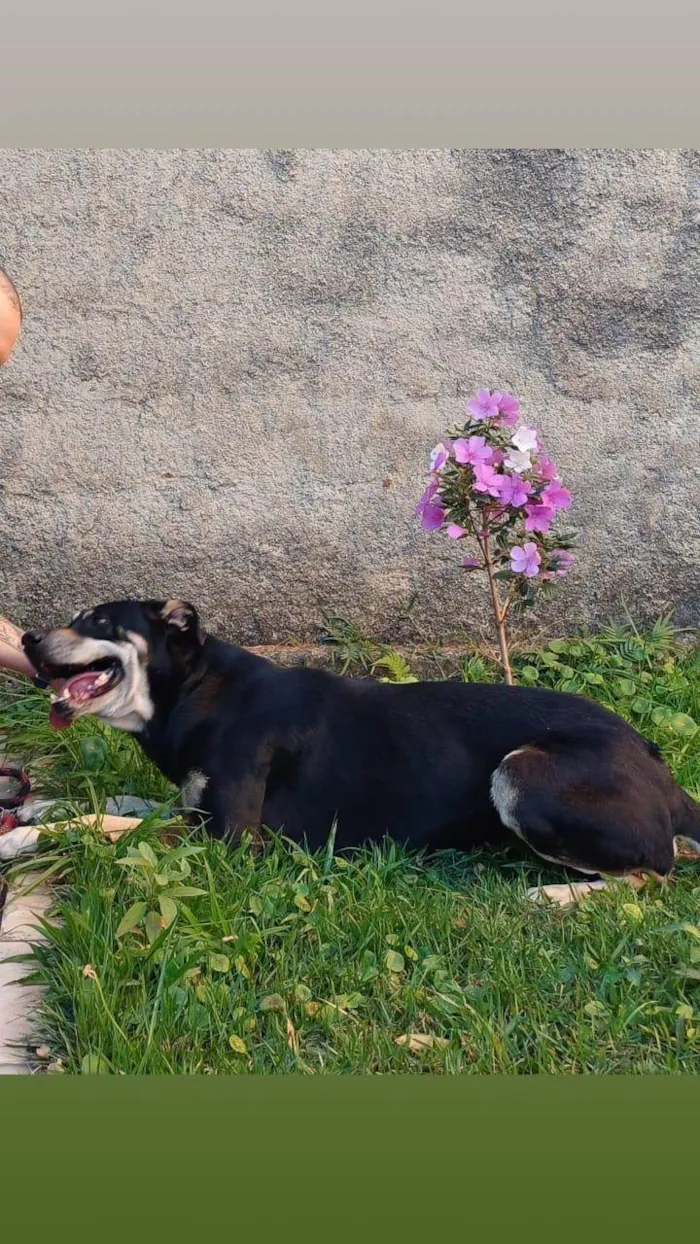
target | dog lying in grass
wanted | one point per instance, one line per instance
(430, 764)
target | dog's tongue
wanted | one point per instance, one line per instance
(82, 686)
(57, 719)
(78, 689)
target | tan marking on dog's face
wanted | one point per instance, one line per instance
(140, 644)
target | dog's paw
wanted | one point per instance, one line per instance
(564, 895)
(20, 841)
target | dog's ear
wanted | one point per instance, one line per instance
(179, 616)
(183, 616)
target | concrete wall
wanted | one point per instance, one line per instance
(234, 364)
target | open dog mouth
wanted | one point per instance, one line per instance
(75, 685)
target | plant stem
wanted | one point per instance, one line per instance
(499, 612)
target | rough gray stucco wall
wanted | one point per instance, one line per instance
(234, 364)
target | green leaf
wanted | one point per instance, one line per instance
(348, 1001)
(368, 966)
(410, 953)
(660, 715)
(595, 680)
(182, 891)
(237, 1044)
(131, 919)
(148, 854)
(394, 961)
(302, 993)
(595, 1008)
(557, 645)
(94, 753)
(95, 1065)
(529, 673)
(685, 927)
(641, 706)
(153, 926)
(683, 725)
(432, 963)
(273, 1002)
(168, 908)
(302, 902)
(219, 963)
(181, 853)
(625, 687)
(634, 911)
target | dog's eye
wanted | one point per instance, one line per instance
(102, 623)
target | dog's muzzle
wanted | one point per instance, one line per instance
(75, 682)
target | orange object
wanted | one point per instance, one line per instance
(112, 826)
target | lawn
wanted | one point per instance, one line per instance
(179, 956)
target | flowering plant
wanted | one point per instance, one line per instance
(491, 485)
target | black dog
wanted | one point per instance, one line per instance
(431, 764)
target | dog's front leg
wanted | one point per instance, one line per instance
(234, 803)
(243, 812)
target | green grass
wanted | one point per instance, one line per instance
(227, 962)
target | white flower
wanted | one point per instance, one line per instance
(439, 457)
(518, 461)
(525, 439)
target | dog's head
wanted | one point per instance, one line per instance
(114, 660)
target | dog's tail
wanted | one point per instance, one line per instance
(687, 821)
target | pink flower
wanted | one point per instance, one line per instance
(559, 498)
(486, 480)
(546, 469)
(439, 456)
(455, 532)
(430, 512)
(508, 408)
(484, 405)
(473, 451)
(497, 457)
(539, 517)
(513, 490)
(525, 560)
(562, 562)
(470, 563)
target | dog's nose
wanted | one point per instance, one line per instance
(30, 639)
